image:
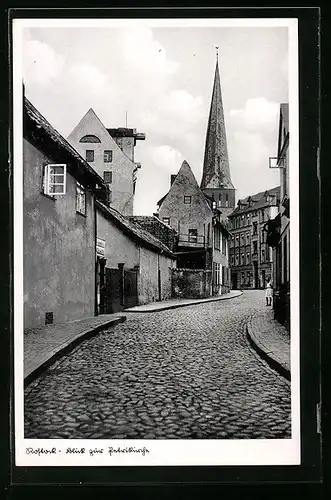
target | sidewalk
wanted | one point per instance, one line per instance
(45, 344)
(271, 340)
(174, 303)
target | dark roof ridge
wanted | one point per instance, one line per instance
(40, 121)
(135, 229)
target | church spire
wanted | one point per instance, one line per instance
(216, 169)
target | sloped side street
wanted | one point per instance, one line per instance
(181, 374)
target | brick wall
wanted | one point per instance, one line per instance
(191, 283)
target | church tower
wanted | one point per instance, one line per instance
(216, 179)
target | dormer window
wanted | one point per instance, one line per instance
(55, 180)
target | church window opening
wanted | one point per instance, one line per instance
(187, 200)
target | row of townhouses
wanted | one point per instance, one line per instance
(86, 253)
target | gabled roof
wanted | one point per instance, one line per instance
(185, 177)
(150, 218)
(135, 231)
(258, 199)
(36, 127)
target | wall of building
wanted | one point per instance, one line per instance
(150, 263)
(119, 248)
(121, 166)
(59, 248)
(191, 283)
(243, 272)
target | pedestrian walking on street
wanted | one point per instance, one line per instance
(268, 293)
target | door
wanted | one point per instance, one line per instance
(114, 288)
(234, 280)
(130, 288)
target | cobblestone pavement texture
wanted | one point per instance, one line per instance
(177, 374)
(41, 342)
(270, 336)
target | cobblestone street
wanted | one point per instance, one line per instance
(183, 373)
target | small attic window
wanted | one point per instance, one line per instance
(90, 138)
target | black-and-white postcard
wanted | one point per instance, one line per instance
(156, 242)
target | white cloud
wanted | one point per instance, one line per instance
(166, 158)
(142, 51)
(176, 113)
(41, 63)
(88, 75)
(257, 114)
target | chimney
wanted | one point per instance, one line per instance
(172, 178)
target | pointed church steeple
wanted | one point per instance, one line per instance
(216, 177)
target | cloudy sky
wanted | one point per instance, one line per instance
(163, 78)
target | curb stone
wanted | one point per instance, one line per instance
(68, 346)
(266, 354)
(176, 306)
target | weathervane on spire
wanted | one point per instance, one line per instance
(216, 47)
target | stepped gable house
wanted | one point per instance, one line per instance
(59, 195)
(251, 258)
(110, 151)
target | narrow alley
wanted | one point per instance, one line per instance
(187, 373)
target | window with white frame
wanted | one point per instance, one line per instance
(80, 199)
(166, 220)
(55, 180)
